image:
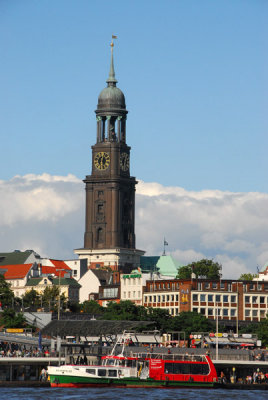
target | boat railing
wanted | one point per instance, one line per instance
(170, 357)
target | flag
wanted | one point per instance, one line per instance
(114, 37)
(165, 243)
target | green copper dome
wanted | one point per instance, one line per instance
(111, 98)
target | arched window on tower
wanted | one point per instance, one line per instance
(99, 235)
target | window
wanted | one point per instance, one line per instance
(233, 312)
(207, 285)
(124, 295)
(233, 299)
(102, 372)
(91, 371)
(177, 297)
(247, 299)
(262, 300)
(112, 372)
(134, 294)
(150, 299)
(218, 298)
(219, 311)
(225, 312)
(195, 309)
(75, 272)
(222, 285)
(195, 297)
(225, 298)
(158, 299)
(139, 293)
(202, 297)
(254, 299)
(181, 368)
(255, 313)
(251, 286)
(214, 285)
(145, 299)
(210, 311)
(100, 208)
(167, 297)
(247, 313)
(172, 297)
(154, 299)
(163, 297)
(203, 311)
(210, 297)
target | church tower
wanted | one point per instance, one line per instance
(109, 238)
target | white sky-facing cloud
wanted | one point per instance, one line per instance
(46, 213)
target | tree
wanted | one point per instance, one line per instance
(50, 297)
(91, 307)
(124, 310)
(31, 298)
(189, 322)
(6, 294)
(10, 319)
(205, 268)
(247, 277)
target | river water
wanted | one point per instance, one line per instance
(135, 394)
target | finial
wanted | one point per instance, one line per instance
(111, 80)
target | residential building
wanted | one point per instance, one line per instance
(67, 285)
(18, 275)
(226, 300)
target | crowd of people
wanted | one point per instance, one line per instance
(8, 349)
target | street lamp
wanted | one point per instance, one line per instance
(59, 269)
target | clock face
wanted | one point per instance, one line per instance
(124, 161)
(102, 160)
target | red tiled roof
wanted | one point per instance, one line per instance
(57, 269)
(17, 271)
(60, 264)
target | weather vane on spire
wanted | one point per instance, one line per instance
(112, 42)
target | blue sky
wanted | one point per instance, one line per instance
(194, 74)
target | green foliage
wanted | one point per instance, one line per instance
(50, 298)
(124, 310)
(247, 277)
(91, 307)
(6, 294)
(10, 319)
(191, 322)
(159, 316)
(30, 298)
(206, 268)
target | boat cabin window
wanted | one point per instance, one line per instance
(102, 372)
(91, 371)
(112, 373)
(181, 368)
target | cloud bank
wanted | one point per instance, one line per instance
(46, 213)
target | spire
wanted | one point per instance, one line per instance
(111, 80)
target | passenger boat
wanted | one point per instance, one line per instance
(152, 370)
